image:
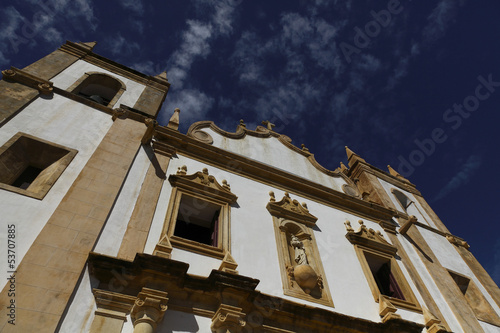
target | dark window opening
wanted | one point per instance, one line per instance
(27, 177)
(198, 220)
(461, 281)
(386, 282)
(96, 98)
(99, 88)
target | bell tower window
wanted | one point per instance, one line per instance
(99, 87)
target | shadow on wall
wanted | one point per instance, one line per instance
(178, 322)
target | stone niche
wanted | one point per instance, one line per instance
(301, 269)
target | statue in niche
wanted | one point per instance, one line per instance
(300, 253)
(302, 272)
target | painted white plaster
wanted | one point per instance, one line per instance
(429, 282)
(112, 236)
(488, 328)
(272, 152)
(451, 259)
(63, 122)
(66, 78)
(253, 243)
(415, 208)
(82, 308)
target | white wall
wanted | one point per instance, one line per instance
(272, 152)
(66, 78)
(253, 244)
(63, 122)
(414, 209)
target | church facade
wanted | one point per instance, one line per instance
(113, 223)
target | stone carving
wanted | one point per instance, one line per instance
(204, 182)
(300, 253)
(369, 237)
(291, 209)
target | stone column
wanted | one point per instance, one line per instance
(228, 319)
(148, 310)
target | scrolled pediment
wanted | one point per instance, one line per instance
(204, 183)
(290, 209)
(369, 238)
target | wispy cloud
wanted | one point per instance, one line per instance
(462, 177)
(49, 21)
(121, 46)
(197, 37)
(440, 19)
(194, 102)
(135, 6)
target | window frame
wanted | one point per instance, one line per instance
(46, 179)
(204, 187)
(76, 87)
(368, 241)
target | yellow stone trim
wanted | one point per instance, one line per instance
(205, 187)
(367, 241)
(47, 178)
(196, 131)
(283, 227)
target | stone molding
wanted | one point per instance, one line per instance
(228, 319)
(204, 183)
(290, 209)
(149, 307)
(369, 238)
(169, 140)
(204, 295)
(196, 131)
(45, 87)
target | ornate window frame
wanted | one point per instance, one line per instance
(24, 150)
(371, 243)
(308, 282)
(203, 188)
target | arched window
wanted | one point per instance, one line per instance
(403, 199)
(99, 87)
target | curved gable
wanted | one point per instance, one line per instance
(271, 148)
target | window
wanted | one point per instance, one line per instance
(198, 216)
(198, 220)
(99, 87)
(478, 303)
(384, 278)
(378, 260)
(30, 166)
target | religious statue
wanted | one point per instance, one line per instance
(300, 253)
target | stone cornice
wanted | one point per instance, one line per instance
(190, 293)
(196, 131)
(239, 164)
(83, 52)
(360, 166)
(14, 74)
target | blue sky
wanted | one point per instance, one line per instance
(404, 83)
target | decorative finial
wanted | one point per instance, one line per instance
(226, 185)
(268, 124)
(173, 123)
(182, 170)
(205, 171)
(304, 147)
(394, 173)
(273, 198)
(348, 226)
(305, 206)
(242, 123)
(352, 157)
(343, 168)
